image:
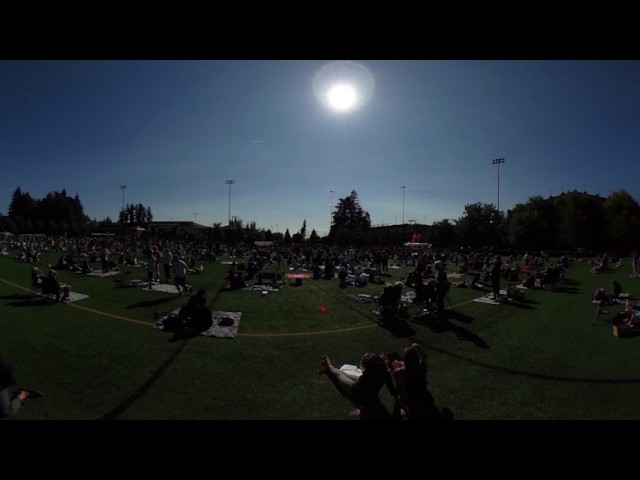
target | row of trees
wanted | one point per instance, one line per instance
(567, 221)
(57, 213)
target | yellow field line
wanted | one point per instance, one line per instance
(299, 334)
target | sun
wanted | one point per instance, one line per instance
(342, 97)
(343, 86)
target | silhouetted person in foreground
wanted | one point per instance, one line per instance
(10, 404)
(364, 391)
(410, 375)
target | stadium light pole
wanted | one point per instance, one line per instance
(230, 182)
(402, 187)
(195, 216)
(498, 161)
(331, 192)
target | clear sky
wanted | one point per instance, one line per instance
(174, 131)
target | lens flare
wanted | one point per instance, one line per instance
(343, 86)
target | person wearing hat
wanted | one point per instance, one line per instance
(10, 405)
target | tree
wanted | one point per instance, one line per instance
(287, 237)
(480, 225)
(533, 225)
(581, 220)
(622, 214)
(350, 221)
(303, 230)
(314, 238)
(443, 233)
(217, 234)
(22, 206)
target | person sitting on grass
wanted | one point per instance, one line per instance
(410, 375)
(51, 286)
(36, 277)
(9, 405)
(600, 295)
(195, 317)
(627, 323)
(617, 289)
(364, 391)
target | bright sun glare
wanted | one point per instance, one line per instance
(342, 97)
(343, 86)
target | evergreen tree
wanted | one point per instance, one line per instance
(314, 238)
(303, 230)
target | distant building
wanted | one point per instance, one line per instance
(166, 225)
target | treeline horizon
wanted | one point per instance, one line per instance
(567, 221)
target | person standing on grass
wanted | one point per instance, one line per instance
(151, 267)
(442, 286)
(104, 259)
(496, 272)
(9, 405)
(167, 261)
(180, 268)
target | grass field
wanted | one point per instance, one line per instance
(99, 357)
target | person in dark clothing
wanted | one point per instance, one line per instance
(195, 316)
(496, 272)
(364, 391)
(617, 289)
(442, 286)
(51, 286)
(9, 405)
(410, 375)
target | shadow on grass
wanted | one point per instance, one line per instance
(441, 325)
(32, 303)
(569, 281)
(152, 303)
(458, 316)
(17, 297)
(142, 389)
(522, 303)
(565, 289)
(399, 327)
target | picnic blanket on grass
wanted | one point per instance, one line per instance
(73, 297)
(263, 288)
(101, 275)
(364, 298)
(134, 282)
(487, 298)
(161, 287)
(225, 324)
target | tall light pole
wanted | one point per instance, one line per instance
(498, 161)
(230, 182)
(195, 216)
(402, 187)
(331, 192)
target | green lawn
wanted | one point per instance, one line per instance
(100, 358)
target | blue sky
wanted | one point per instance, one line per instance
(174, 131)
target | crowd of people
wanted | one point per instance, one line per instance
(404, 375)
